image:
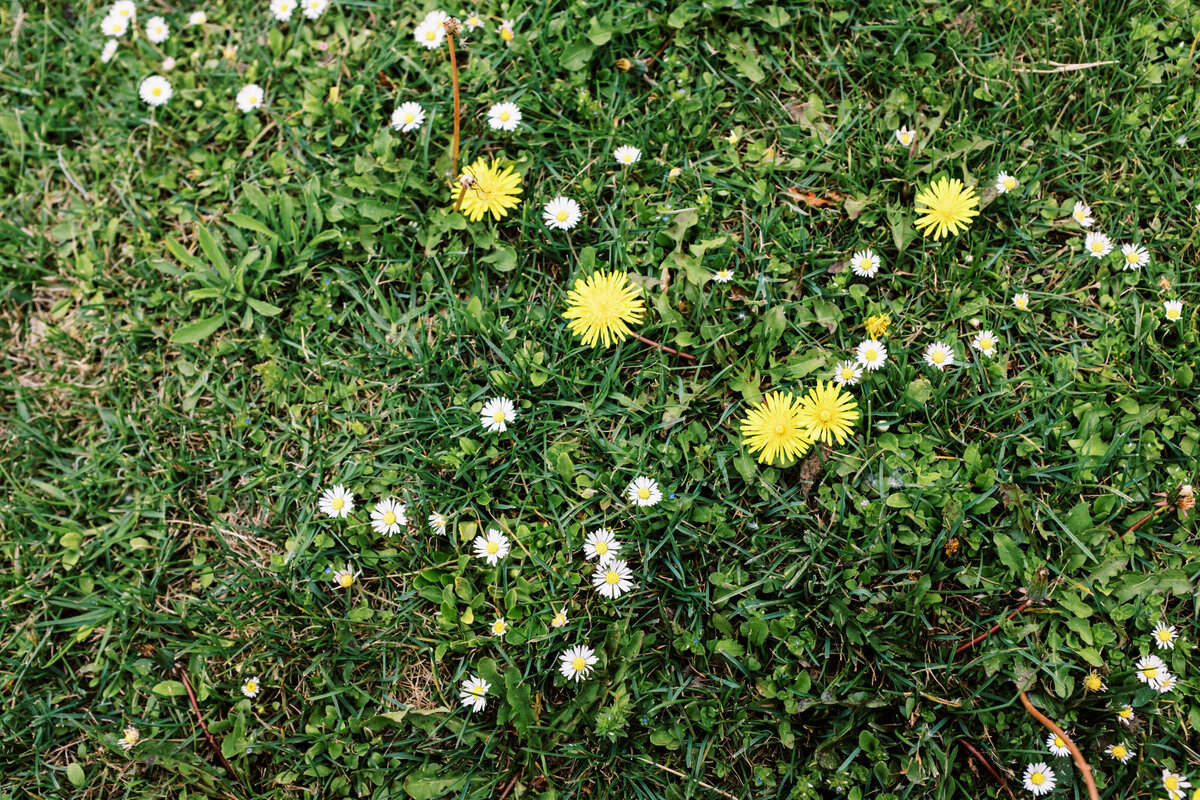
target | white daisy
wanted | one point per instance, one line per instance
(437, 523)
(871, 354)
(1005, 183)
(1097, 244)
(561, 213)
(336, 502)
(723, 275)
(499, 627)
(985, 343)
(197, 18)
(168, 64)
(904, 136)
(674, 173)
(939, 355)
(1056, 745)
(408, 117)
(1082, 214)
(1119, 751)
(112, 25)
(155, 90)
(473, 693)
(643, 491)
(1125, 716)
(493, 546)
(249, 97)
(1175, 783)
(496, 414)
(282, 9)
(627, 155)
(1165, 636)
(504, 117)
(473, 22)
(560, 619)
(251, 688)
(1172, 309)
(130, 737)
(345, 577)
(601, 544)
(389, 518)
(865, 263)
(612, 579)
(124, 8)
(577, 662)
(157, 30)
(430, 35)
(1134, 256)
(437, 18)
(506, 31)
(313, 9)
(1166, 682)
(847, 373)
(1021, 301)
(1039, 779)
(1150, 669)
(110, 50)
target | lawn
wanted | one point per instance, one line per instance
(315, 483)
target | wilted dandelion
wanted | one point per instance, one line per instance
(1092, 682)
(878, 324)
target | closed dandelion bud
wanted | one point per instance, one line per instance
(452, 27)
(1039, 587)
(334, 94)
(634, 65)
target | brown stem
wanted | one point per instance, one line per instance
(670, 350)
(454, 82)
(1080, 762)
(968, 645)
(996, 776)
(1146, 519)
(510, 786)
(461, 194)
(200, 719)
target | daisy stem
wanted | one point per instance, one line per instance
(1080, 762)
(454, 83)
(672, 351)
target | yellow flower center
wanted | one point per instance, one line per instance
(612, 577)
(1097, 246)
(847, 375)
(1150, 673)
(1173, 313)
(1078, 216)
(870, 355)
(864, 264)
(905, 138)
(430, 35)
(504, 116)
(1010, 183)
(1037, 779)
(156, 92)
(1132, 258)
(493, 547)
(1125, 713)
(938, 356)
(558, 621)
(506, 34)
(1118, 751)
(346, 579)
(824, 415)
(578, 664)
(1171, 782)
(409, 117)
(1164, 635)
(601, 548)
(561, 216)
(389, 518)
(251, 687)
(643, 493)
(986, 344)
(498, 627)
(1059, 742)
(252, 100)
(498, 416)
(336, 503)
(1093, 682)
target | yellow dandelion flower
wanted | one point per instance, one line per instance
(949, 208)
(601, 306)
(877, 326)
(827, 413)
(772, 426)
(489, 189)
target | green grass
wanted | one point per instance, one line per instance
(209, 317)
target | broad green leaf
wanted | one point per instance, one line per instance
(75, 775)
(200, 329)
(251, 224)
(264, 308)
(212, 251)
(169, 689)
(1010, 554)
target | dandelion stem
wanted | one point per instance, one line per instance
(454, 83)
(462, 193)
(1080, 762)
(968, 645)
(670, 350)
(1146, 519)
(200, 719)
(996, 776)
